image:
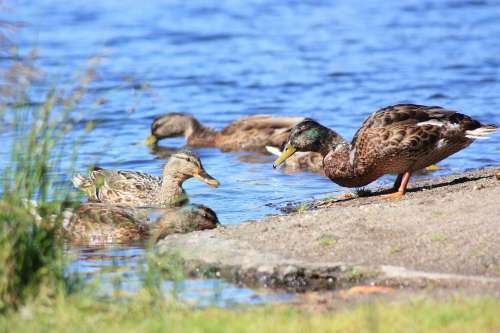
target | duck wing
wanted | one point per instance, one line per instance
(103, 223)
(405, 133)
(255, 132)
(261, 121)
(410, 115)
(119, 186)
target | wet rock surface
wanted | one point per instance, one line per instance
(444, 232)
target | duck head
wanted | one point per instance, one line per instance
(171, 125)
(192, 217)
(186, 164)
(308, 135)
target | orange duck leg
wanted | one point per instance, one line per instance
(400, 185)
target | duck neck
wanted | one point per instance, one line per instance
(171, 191)
(330, 142)
(199, 135)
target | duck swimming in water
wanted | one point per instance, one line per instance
(140, 189)
(100, 223)
(397, 139)
(247, 133)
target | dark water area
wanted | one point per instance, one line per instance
(335, 61)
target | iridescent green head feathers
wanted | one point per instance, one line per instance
(308, 136)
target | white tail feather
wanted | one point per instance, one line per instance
(481, 132)
(433, 122)
(78, 181)
(273, 150)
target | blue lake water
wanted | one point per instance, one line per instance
(336, 61)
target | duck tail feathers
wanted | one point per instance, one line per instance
(273, 150)
(79, 181)
(482, 132)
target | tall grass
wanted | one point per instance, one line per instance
(30, 249)
(42, 147)
(40, 144)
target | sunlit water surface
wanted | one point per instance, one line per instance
(335, 61)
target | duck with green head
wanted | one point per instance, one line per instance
(397, 139)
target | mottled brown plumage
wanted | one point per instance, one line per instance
(247, 133)
(140, 189)
(99, 223)
(397, 139)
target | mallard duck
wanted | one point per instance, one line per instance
(99, 223)
(140, 189)
(397, 139)
(247, 133)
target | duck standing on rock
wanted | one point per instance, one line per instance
(140, 189)
(247, 133)
(397, 139)
(100, 223)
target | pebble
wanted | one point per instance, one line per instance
(478, 187)
(289, 270)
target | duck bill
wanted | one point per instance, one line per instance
(289, 151)
(203, 176)
(151, 140)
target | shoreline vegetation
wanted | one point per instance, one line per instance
(38, 294)
(144, 314)
(32, 205)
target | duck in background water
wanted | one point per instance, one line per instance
(250, 133)
(262, 133)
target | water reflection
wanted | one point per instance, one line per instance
(118, 269)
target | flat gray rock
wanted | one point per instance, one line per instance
(446, 231)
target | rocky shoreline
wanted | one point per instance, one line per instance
(445, 232)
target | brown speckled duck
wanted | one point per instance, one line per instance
(100, 223)
(140, 189)
(397, 139)
(247, 133)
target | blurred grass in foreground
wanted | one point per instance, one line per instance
(42, 149)
(81, 314)
(32, 205)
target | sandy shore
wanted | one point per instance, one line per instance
(444, 232)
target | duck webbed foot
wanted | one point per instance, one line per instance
(345, 196)
(400, 186)
(392, 196)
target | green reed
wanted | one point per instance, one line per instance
(42, 150)
(31, 205)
